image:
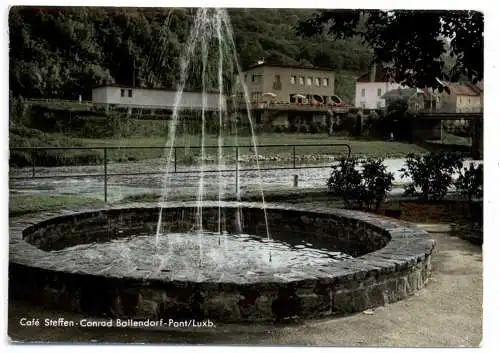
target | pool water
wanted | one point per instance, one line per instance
(194, 256)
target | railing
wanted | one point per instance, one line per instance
(261, 104)
(56, 100)
(176, 163)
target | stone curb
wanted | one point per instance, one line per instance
(393, 267)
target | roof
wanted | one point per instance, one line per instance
(301, 67)
(381, 75)
(462, 90)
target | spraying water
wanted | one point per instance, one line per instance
(211, 41)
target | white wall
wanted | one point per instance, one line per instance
(371, 98)
(452, 103)
(152, 98)
(468, 104)
(99, 95)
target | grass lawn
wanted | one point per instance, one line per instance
(278, 147)
(456, 140)
(187, 144)
(20, 204)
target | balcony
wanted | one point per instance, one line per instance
(293, 107)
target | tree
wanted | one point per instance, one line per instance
(410, 44)
(61, 52)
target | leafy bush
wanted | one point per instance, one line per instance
(292, 127)
(279, 129)
(352, 124)
(303, 128)
(315, 128)
(470, 182)
(431, 173)
(363, 189)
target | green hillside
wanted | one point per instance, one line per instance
(62, 52)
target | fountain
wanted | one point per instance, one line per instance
(228, 261)
(211, 32)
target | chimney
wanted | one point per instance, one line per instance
(373, 72)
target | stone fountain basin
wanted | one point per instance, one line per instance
(391, 260)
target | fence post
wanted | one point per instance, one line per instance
(293, 156)
(175, 159)
(237, 171)
(105, 175)
(33, 156)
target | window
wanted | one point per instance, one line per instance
(256, 96)
(130, 93)
(363, 105)
(317, 81)
(122, 91)
(469, 100)
(277, 82)
(362, 92)
(309, 81)
(246, 78)
(379, 105)
(293, 80)
(301, 80)
(325, 82)
(379, 92)
(256, 78)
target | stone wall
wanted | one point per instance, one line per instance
(392, 261)
(345, 234)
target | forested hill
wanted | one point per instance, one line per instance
(62, 52)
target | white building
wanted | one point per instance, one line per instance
(461, 97)
(370, 88)
(129, 97)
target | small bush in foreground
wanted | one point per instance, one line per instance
(432, 173)
(469, 183)
(363, 189)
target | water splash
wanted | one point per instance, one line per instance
(229, 32)
(210, 40)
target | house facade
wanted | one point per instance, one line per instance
(290, 84)
(154, 98)
(371, 87)
(461, 98)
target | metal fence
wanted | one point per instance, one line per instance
(176, 162)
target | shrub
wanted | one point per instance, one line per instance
(351, 124)
(303, 128)
(279, 129)
(363, 189)
(431, 173)
(469, 183)
(266, 128)
(315, 128)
